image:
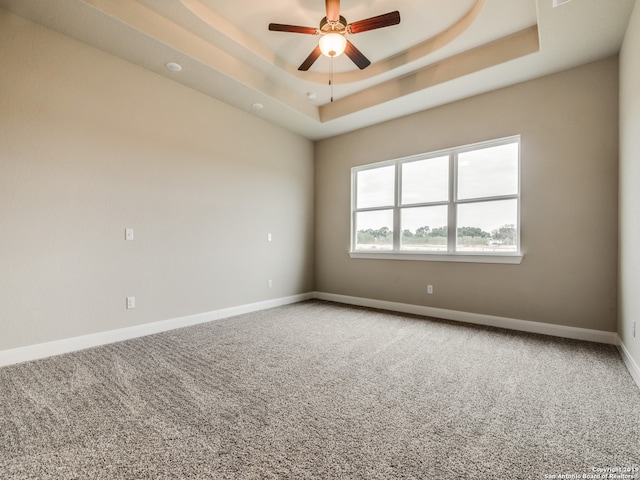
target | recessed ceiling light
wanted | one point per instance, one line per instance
(311, 95)
(257, 106)
(173, 66)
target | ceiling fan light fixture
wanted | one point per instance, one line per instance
(332, 44)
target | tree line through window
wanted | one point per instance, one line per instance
(427, 236)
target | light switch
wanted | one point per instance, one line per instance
(128, 234)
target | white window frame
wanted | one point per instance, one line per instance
(451, 255)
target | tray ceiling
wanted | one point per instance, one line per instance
(442, 51)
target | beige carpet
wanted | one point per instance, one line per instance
(318, 390)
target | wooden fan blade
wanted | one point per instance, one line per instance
(356, 56)
(279, 27)
(381, 21)
(313, 56)
(333, 10)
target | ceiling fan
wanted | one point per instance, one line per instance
(332, 31)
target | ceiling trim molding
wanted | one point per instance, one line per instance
(153, 25)
(508, 48)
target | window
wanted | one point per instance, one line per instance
(457, 204)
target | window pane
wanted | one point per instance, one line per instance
(375, 187)
(374, 230)
(425, 181)
(488, 172)
(424, 229)
(487, 227)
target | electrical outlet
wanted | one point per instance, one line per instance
(270, 283)
(269, 237)
(131, 302)
(430, 289)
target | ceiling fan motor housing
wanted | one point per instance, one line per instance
(333, 27)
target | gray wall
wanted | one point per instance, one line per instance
(569, 127)
(630, 187)
(90, 145)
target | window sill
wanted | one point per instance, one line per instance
(506, 258)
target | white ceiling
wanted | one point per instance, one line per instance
(442, 51)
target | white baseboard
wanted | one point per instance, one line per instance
(631, 364)
(57, 347)
(254, 307)
(598, 336)
(43, 350)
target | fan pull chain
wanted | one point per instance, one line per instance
(331, 79)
